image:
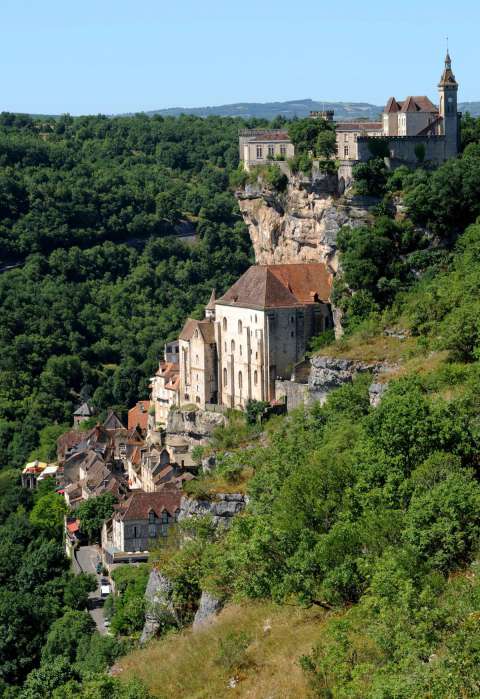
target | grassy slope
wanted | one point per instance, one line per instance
(188, 664)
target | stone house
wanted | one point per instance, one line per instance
(139, 521)
(165, 392)
(138, 416)
(198, 359)
(82, 413)
(262, 146)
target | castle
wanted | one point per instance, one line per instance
(414, 130)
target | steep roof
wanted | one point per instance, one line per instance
(206, 329)
(280, 286)
(418, 103)
(211, 304)
(112, 422)
(392, 106)
(138, 415)
(448, 78)
(84, 410)
(139, 504)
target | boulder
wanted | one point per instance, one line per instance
(160, 612)
(208, 607)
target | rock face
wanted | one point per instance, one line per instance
(329, 373)
(208, 607)
(222, 509)
(375, 392)
(160, 612)
(301, 224)
(196, 426)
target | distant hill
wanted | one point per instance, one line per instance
(290, 109)
(269, 110)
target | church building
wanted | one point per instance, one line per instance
(255, 333)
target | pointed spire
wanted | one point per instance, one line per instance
(448, 78)
(211, 304)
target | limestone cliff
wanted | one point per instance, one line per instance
(300, 224)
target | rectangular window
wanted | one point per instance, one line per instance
(345, 136)
(152, 531)
(283, 150)
(345, 151)
(271, 151)
(259, 152)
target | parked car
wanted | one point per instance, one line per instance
(104, 590)
(99, 567)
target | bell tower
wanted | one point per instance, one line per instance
(448, 89)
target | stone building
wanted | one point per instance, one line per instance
(405, 124)
(263, 324)
(198, 359)
(165, 391)
(261, 146)
(140, 521)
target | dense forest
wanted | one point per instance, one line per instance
(89, 212)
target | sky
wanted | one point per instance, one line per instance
(117, 56)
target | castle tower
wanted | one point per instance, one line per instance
(448, 89)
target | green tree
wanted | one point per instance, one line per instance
(48, 514)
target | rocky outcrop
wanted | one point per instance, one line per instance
(301, 224)
(329, 373)
(196, 426)
(222, 507)
(208, 607)
(160, 612)
(375, 393)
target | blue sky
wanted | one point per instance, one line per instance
(113, 56)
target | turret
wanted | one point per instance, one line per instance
(448, 89)
(210, 307)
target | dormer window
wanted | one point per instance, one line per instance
(151, 517)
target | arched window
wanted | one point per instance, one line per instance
(224, 323)
(196, 333)
(196, 359)
(225, 345)
(240, 380)
(255, 377)
(232, 346)
(240, 327)
(225, 377)
(240, 349)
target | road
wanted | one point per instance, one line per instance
(87, 558)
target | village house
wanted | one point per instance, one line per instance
(82, 413)
(198, 359)
(141, 521)
(138, 416)
(165, 391)
(405, 124)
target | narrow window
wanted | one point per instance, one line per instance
(271, 151)
(232, 346)
(345, 151)
(240, 327)
(240, 380)
(225, 377)
(283, 151)
(259, 152)
(224, 323)
(255, 377)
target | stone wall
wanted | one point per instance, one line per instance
(402, 149)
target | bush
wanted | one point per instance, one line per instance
(232, 649)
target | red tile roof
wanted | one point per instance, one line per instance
(280, 286)
(138, 415)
